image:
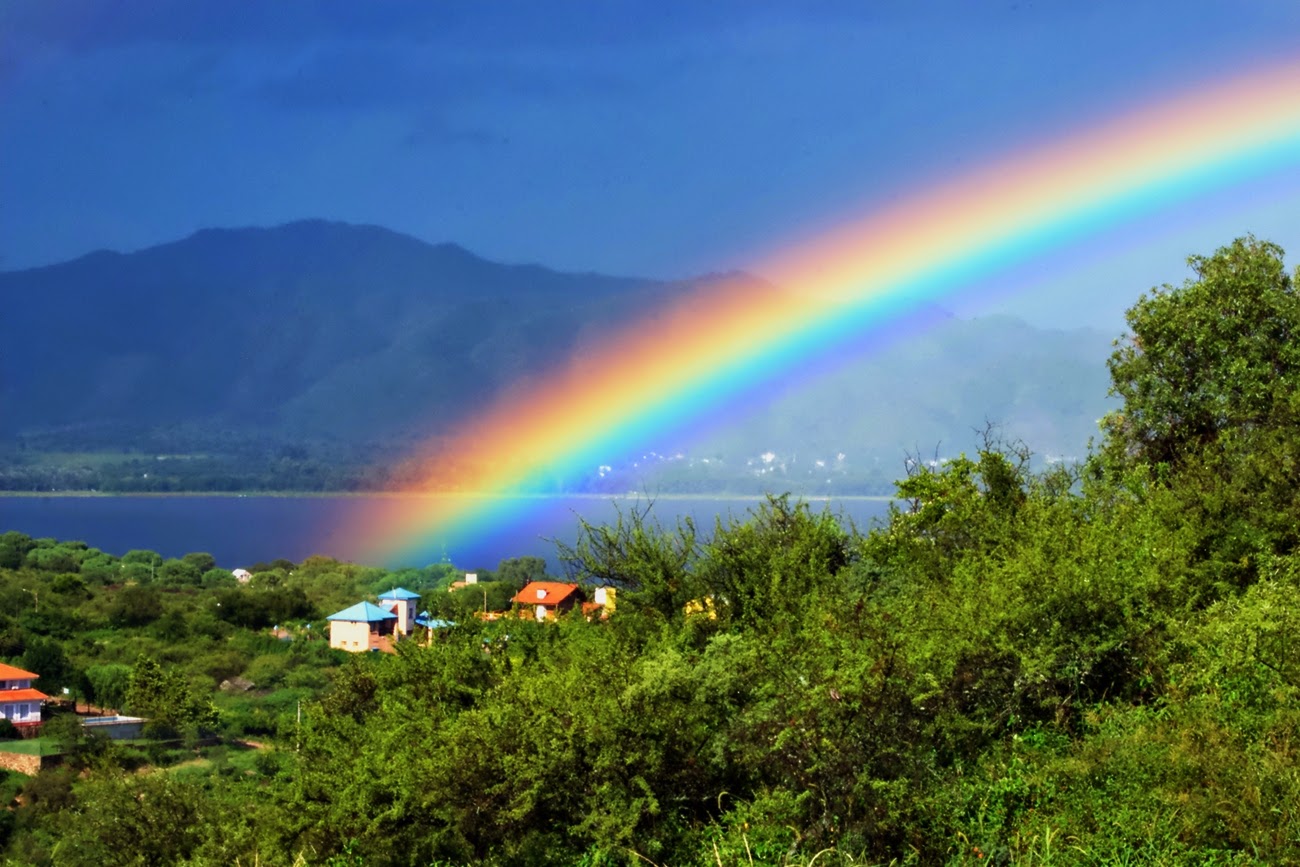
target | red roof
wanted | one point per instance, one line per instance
(553, 593)
(8, 672)
(9, 696)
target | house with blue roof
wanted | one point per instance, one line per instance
(401, 602)
(363, 627)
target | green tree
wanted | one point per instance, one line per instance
(164, 697)
(53, 559)
(45, 656)
(519, 571)
(78, 745)
(1219, 354)
(761, 570)
(648, 564)
(464, 601)
(109, 684)
(101, 568)
(177, 573)
(218, 578)
(200, 561)
(13, 548)
(50, 791)
(134, 605)
(143, 556)
(139, 819)
(1210, 378)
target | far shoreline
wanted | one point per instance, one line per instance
(467, 495)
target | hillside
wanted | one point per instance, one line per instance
(1084, 665)
(310, 327)
(273, 341)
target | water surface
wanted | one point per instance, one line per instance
(242, 530)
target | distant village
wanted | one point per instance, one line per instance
(361, 628)
(366, 627)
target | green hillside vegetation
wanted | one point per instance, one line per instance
(1093, 664)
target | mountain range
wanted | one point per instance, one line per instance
(323, 331)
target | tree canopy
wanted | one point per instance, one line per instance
(1217, 356)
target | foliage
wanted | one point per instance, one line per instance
(1218, 356)
(134, 605)
(517, 572)
(1092, 666)
(647, 564)
(78, 745)
(45, 657)
(107, 685)
(468, 600)
(164, 698)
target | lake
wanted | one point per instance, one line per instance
(242, 530)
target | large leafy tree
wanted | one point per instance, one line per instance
(1218, 355)
(164, 697)
(518, 571)
(1210, 378)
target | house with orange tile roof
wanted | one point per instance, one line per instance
(544, 600)
(19, 702)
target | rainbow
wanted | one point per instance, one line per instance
(674, 366)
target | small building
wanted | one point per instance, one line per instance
(544, 600)
(401, 602)
(427, 621)
(365, 626)
(243, 576)
(602, 604)
(19, 702)
(115, 728)
(470, 578)
(431, 624)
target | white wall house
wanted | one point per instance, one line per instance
(20, 703)
(362, 628)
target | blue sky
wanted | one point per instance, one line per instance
(660, 138)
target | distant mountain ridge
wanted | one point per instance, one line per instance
(324, 330)
(353, 329)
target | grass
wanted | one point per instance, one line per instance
(227, 760)
(29, 747)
